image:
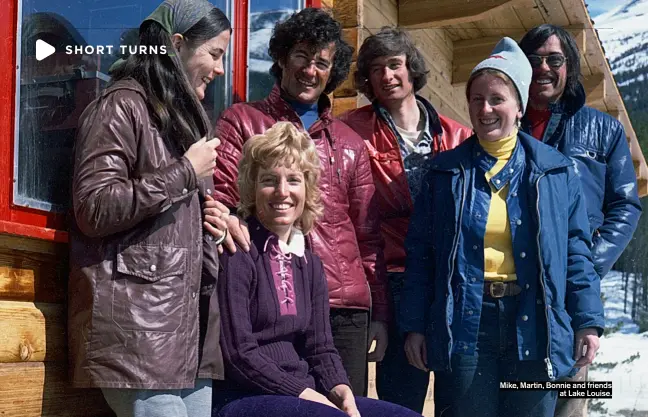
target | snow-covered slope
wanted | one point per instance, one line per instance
(261, 25)
(623, 30)
(623, 356)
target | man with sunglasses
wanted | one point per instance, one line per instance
(596, 142)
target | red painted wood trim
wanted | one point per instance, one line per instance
(313, 3)
(7, 101)
(15, 219)
(33, 231)
(239, 79)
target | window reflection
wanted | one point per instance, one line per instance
(53, 93)
(264, 15)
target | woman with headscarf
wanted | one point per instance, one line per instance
(144, 319)
(500, 286)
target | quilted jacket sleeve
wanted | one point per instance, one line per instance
(230, 132)
(621, 206)
(582, 302)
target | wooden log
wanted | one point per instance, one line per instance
(616, 113)
(421, 13)
(26, 244)
(351, 36)
(347, 12)
(344, 104)
(642, 187)
(32, 332)
(31, 272)
(379, 13)
(594, 86)
(468, 53)
(347, 88)
(38, 389)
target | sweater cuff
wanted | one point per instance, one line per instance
(328, 382)
(291, 386)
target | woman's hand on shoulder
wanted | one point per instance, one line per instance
(220, 222)
(342, 396)
(202, 156)
(238, 232)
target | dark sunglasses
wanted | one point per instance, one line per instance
(554, 61)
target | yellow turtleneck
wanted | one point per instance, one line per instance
(498, 246)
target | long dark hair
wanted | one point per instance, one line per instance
(537, 36)
(173, 105)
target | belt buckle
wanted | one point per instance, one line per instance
(497, 289)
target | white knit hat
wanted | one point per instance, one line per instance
(508, 58)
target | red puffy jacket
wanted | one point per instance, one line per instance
(392, 191)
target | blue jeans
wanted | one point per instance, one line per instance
(474, 380)
(396, 380)
(282, 405)
(193, 402)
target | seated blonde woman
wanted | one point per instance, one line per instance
(276, 337)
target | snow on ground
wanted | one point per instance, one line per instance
(622, 358)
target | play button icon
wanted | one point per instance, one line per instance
(43, 50)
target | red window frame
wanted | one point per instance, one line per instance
(40, 224)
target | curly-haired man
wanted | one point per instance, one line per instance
(310, 60)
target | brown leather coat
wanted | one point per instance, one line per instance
(142, 272)
(347, 237)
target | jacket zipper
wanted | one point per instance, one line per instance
(547, 360)
(335, 169)
(453, 254)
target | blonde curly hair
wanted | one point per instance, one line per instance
(281, 145)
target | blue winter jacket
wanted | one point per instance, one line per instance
(596, 142)
(444, 276)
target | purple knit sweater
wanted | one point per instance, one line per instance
(268, 348)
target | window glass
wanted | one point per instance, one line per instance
(54, 92)
(264, 15)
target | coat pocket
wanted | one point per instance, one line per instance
(149, 287)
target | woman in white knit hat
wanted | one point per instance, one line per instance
(500, 286)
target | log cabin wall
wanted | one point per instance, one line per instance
(455, 35)
(33, 341)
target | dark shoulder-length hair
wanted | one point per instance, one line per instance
(317, 29)
(389, 42)
(537, 36)
(172, 103)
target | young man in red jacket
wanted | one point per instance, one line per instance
(310, 60)
(402, 132)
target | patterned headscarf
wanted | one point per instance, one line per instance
(178, 16)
